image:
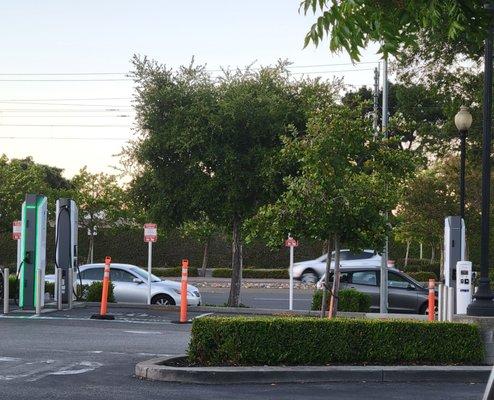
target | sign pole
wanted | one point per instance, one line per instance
(291, 279)
(150, 260)
(150, 236)
(291, 243)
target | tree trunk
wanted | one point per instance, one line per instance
(433, 253)
(324, 304)
(90, 253)
(333, 305)
(236, 282)
(407, 252)
(205, 257)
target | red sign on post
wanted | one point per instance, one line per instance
(150, 233)
(291, 242)
(16, 230)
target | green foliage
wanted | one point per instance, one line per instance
(21, 176)
(209, 147)
(423, 276)
(14, 287)
(252, 273)
(94, 292)
(314, 341)
(347, 179)
(448, 25)
(175, 272)
(350, 300)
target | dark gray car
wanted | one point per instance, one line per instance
(405, 295)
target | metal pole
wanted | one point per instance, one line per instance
(463, 135)
(451, 304)
(482, 304)
(150, 260)
(38, 291)
(70, 287)
(291, 279)
(421, 252)
(58, 287)
(440, 302)
(383, 289)
(6, 291)
(19, 258)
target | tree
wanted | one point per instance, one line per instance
(201, 229)
(101, 202)
(345, 183)
(210, 145)
(431, 28)
(21, 176)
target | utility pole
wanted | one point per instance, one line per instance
(376, 101)
(383, 288)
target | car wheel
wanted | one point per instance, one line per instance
(163, 300)
(309, 277)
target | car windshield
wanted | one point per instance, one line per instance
(144, 274)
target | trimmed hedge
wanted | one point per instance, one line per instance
(423, 276)
(175, 272)
(94, 292)
(349, 300)
(321, 341)
(252, 273)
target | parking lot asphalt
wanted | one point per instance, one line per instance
(267, 298)
(65, 354)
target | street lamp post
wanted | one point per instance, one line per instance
(482, 305)
(463, 122)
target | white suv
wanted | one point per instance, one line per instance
(310, 271)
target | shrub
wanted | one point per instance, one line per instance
(417, 265)
(423, 276)
(349, 300)
(321, 341)
(175, 272)
(94, 292)
(253, 273)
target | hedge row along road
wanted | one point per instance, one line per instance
(314, 341)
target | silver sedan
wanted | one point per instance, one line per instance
(131, 285)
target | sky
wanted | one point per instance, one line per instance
(65, 99)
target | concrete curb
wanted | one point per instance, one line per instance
(257, 311)
(155, 370)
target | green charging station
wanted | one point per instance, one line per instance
(33, 251)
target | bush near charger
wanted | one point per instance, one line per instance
(14, 287)
(94, 292)
(349, 300)
(252, 273)
(320, 341)
(174, 272)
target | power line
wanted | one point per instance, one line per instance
(71, 99)
(69, 125)
(63, 116)
(60, 104)
(208, 70)
(63, 110)
(61, 138)
(333, 72)
(61, 73)
(69, 80)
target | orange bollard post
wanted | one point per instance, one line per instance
(104, 293)
(432, 300)
(183, 292)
